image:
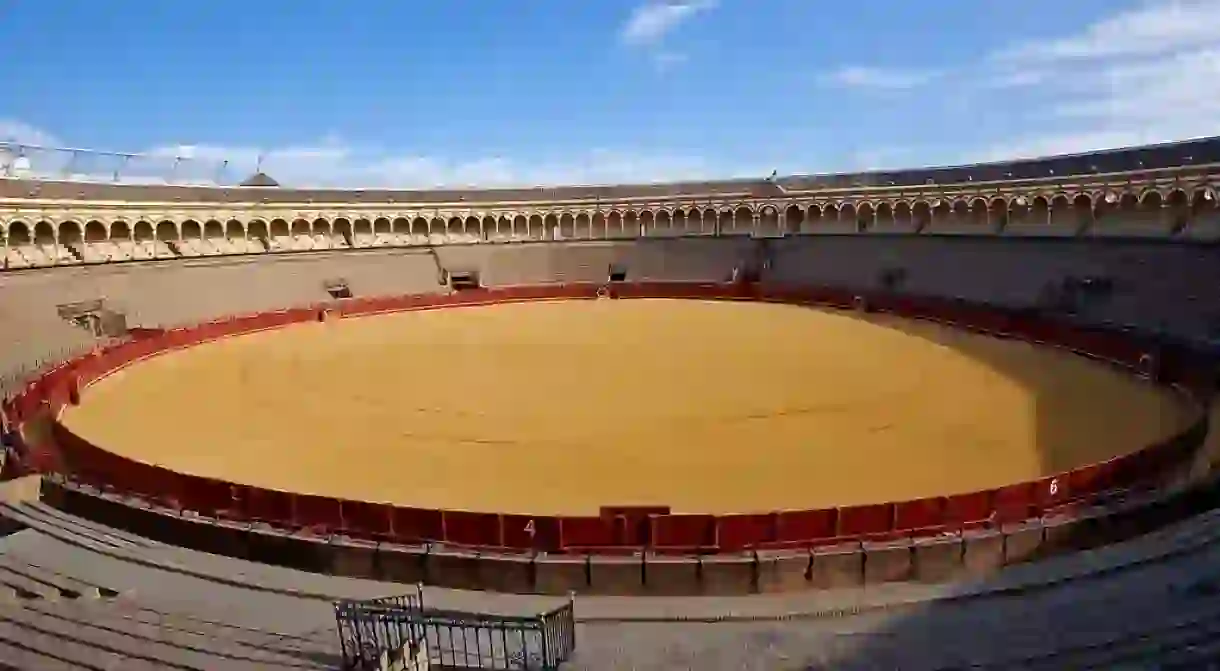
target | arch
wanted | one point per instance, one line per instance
(903, 216)
(614, 224)
(865, 216)
(884, 215)
(567, 226)
(631, 225)
(95, 231)
(597, 225)
(191, 230)
(400, 226)
(1082, 208)
(490, 226)
(724, 222)
(235, 230)
(743, 221)
(120, 231)
(663, 223)
(212, 230)
(321, 227)
(997, 214)
(382, 228)
(68, 232)
(942, 213)
(794, 219)
(419, 228)
(679, 221)
(143, 232)
(167, 231)
(768, 220)
(550, 222)
(300, 228)
(583, 226)
(279, 228)
(258, 230)
(849, 213)
(341, 229)
(535, 227)
(980, 214)
(520, 226)
(362, 227)
(707, 220)
(921, 215)
(472, 229)
(19, 233)
(648, 223)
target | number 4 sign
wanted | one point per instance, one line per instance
(529, 528)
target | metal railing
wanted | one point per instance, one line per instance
(170, 166)
(400, 630)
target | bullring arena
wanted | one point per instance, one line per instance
(808, 422)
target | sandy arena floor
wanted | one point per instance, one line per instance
(562, 407)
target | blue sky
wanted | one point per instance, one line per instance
(543, 91)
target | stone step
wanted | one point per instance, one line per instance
(67, 584)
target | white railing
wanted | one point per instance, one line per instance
(29, 161)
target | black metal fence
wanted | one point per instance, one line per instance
(376, 632)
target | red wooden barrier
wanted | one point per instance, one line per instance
(740, 532)
(321, 513)
(266, 505)
(465, 528)
(1014, 503)
(528, 532)
(683, 532)
(417, 525)
(583, 532)
(800, 526)
(919, 514)
(864, 520)
(965, 509)
(371, 521)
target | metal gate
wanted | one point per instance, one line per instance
(376, 632)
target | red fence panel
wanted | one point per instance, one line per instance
(877, 518)
(968, 508)
(372, 521)
(418, 525)
(919, 514)
(798, 526)
(583, 532)
(680, 532)
(740, 532)
(467, 528)
(1052, 491)
(529, 532)
(321, 513)
(1091, 479)
(267, 505)
(208, 497)
(1014, 503)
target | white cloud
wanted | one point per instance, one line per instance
(865, 77)
(19, 132)
(1155, 27)
(651, 22)
(1144, 75)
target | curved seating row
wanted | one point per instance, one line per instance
(624, 530)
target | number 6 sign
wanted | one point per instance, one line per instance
(1054, 488)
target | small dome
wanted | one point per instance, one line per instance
(260, 179)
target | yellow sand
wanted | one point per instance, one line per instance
(565, 406)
